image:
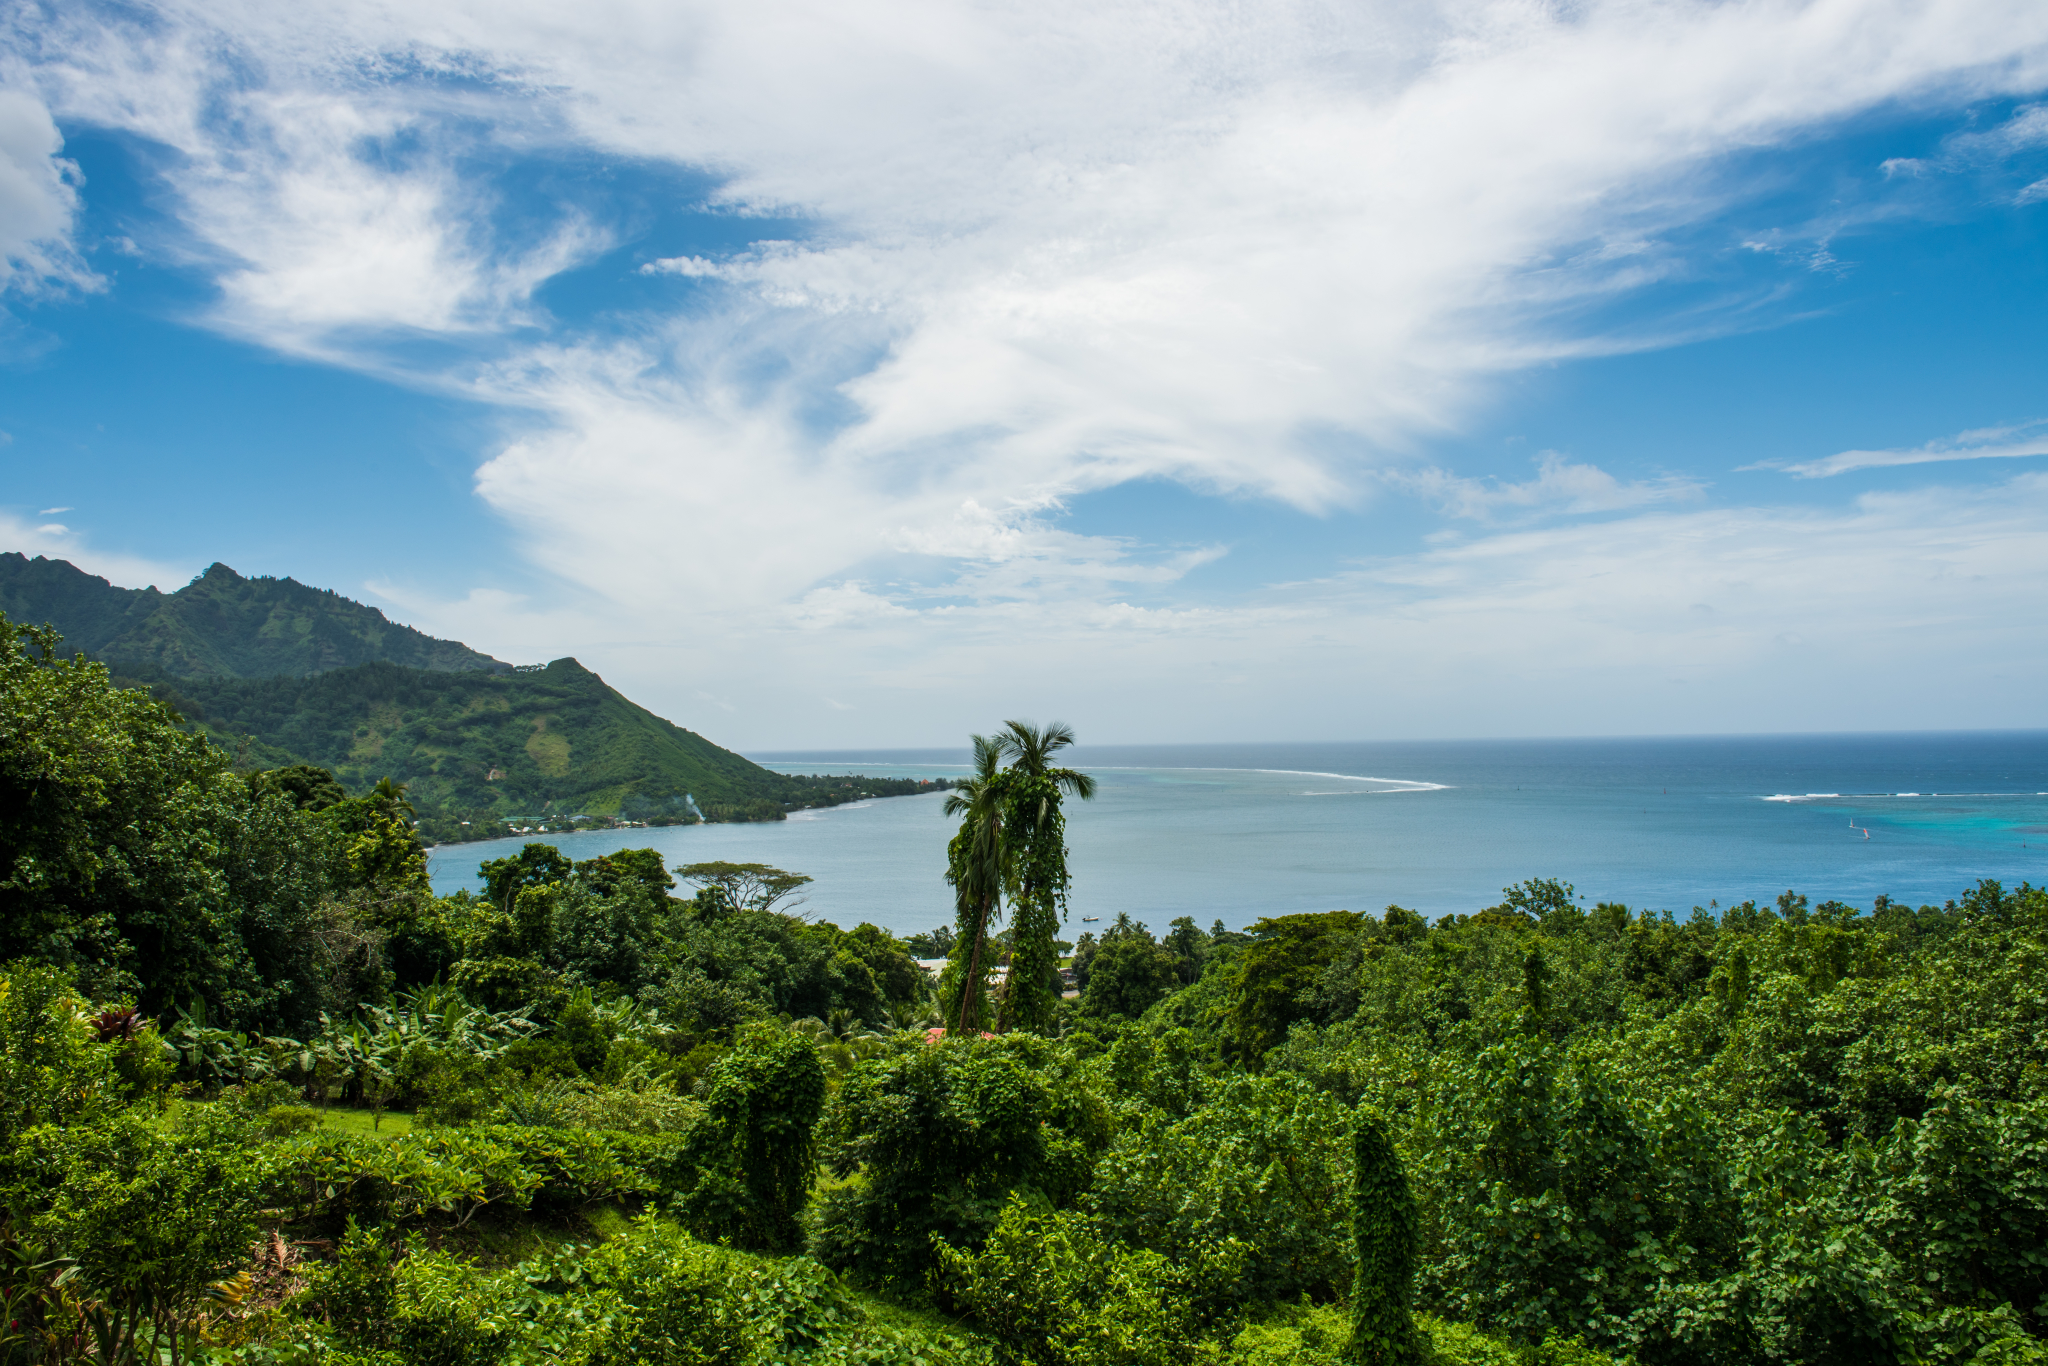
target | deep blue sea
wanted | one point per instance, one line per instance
(1234, 832)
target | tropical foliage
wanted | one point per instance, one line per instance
(265, 1098)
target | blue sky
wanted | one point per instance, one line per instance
(842, 375)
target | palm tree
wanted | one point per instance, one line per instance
(977, 862)
(1035, 830)
(390, 800)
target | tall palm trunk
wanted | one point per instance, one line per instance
(970, 986)
(977, 866)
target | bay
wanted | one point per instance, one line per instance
(1234, 832)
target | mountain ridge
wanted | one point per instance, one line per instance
(221, 624)
(279, 673)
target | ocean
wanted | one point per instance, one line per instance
(1235, 832)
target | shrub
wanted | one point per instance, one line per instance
(1053, 1292)
(674, 1305)
(52, 1070)
(457, 1174)
(575, 1167)
(259, 1097)
(282, 1120)
(389, 1304)
(1315, 1335)
(943, 1133)
(641, 1107)
(150, 1215)
(657, 1298)
(1558, 1200)
(1266, 1163)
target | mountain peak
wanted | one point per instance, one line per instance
(222, 625)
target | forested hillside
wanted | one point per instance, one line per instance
(265, 1097)
(279, 674)
(482, 746)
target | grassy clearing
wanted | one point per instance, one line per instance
(609, 1221)
(359, 1122)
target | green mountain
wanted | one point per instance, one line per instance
(220, 625)
(534, 741)
(278, 673)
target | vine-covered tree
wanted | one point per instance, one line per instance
(1011, 845)
(1035, 827)
(1383, 1224)
(758, 1144)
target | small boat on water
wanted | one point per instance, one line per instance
(1090, 919)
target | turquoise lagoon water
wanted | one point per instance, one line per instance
(1234, 832)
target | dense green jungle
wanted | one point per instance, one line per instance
(280, 674)
(265, 1097)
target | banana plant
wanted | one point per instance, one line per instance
(219, 1057)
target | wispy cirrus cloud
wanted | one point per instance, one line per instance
(1560, 487)
(1989, 155)
(1984, 443)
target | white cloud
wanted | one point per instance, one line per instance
(1598, 618)
(1694, 620)
(1265, 251)
(330, 205)
(1057, 248)
(845, 604)
(692, 267)
(38, 200)
(59, 542)
(507, 625)
(1581, 628)
(1985, 443)
(1559, 487)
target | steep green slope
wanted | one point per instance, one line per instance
(220, 625)
(518, 742)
